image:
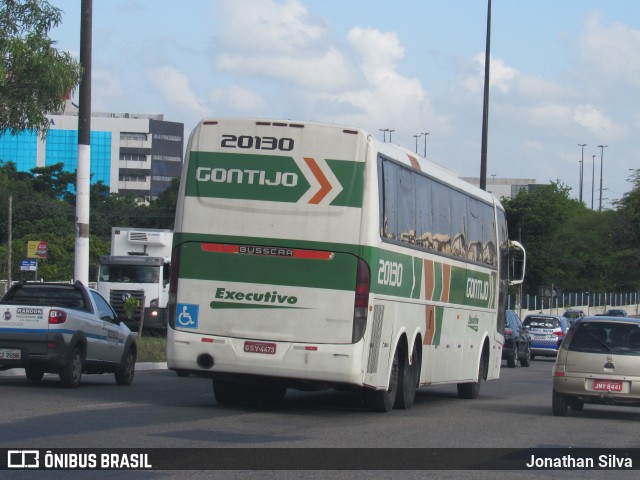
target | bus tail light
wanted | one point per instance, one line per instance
(361, 303)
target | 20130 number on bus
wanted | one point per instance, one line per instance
(257, 142)
(390, 273)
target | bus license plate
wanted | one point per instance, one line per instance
(607, 385)
(10, 354)
(260, 347)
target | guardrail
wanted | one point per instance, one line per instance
(590, 303)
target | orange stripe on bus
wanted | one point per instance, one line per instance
(414, 162)
(429, 280)
(325, 186)
(446, 282)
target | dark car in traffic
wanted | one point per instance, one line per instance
(615, 312)
(517, 342)
(573, 314)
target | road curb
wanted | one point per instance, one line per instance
(140, 367)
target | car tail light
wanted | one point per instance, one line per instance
(57, 316)
(508, 331)
(361, 302)
(559, 334)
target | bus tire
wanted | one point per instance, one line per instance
(227, 393)
(383, 400)
(407, 381)
(471, 390)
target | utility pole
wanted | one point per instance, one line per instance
(10, 234)
(581, 168)
(602, 147)
(485, 109)
(425, 143)
(593, 174)
(83, 175)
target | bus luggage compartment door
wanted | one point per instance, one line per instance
(267, 293)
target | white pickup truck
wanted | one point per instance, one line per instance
(66, 329)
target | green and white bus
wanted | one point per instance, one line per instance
(311, 256)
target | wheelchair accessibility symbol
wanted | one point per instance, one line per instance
(187, 315)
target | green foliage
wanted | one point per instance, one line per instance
(34, 75)
(43, 209)
(130, 306)
(573, 247)
(152, 349)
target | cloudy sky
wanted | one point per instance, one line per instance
(563, 73)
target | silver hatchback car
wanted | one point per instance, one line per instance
(598, 362)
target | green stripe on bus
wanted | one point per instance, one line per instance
(274, 178)
(351, 178)
(438, 331)
(243, 176)
(467, 287)
(339, 273)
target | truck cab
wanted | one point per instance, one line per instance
(138, 268)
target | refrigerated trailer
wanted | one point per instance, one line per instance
(139, 268)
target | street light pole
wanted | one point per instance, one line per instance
(581, 168)
(593, 174)
(416, 137)
(425, 143)
(485, 108)
(390, 131)
(602, 147)
(384, 133)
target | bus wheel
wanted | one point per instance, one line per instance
(472, 389)
(408, 382)
(226, 393)
(383, 400)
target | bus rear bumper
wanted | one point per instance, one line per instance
(220, 356)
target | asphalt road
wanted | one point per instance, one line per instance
(162, 410)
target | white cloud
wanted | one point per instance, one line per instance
(385, 98)
(327, 71)
(500, 75)
(238, 99)
(595, 120)
(267, 26)
(282, 42)
(175, 88)
(611, 51)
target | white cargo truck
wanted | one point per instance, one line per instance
(138, 267)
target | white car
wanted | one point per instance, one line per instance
(66, 329)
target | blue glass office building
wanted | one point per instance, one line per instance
(130, 153)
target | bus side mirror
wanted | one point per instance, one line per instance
(517, 262)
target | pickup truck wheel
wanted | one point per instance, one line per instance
(71, 373)
(34, 374)
(124, 376)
